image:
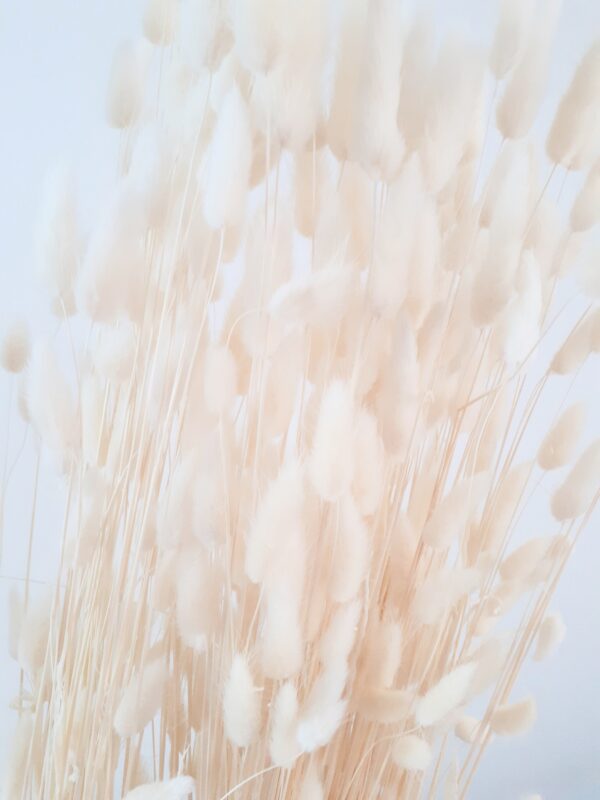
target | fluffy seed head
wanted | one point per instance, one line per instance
(512, 719)
(114, 353)
(575, 495)
(318, 727)
(58, 241)
(381, 654)
(467, 728)
(283, 747)
(15, 347)
(561, 440)
(338, 640)
(199, 33)
(151, 175)
(412, 753)
(523, 561)
(340, 126)
(126, 86)
(522, 96)
(585, 212)
(440, 591)
(241, 704)
(34, 632)
(225, 176)
(108, 286)
(511, 30)
(256, 29)
(160, 20)
(173, 789)
(50, 401)
(378, 143)
(518, 328)
(388, 282)
(417, 65)
(199, 589)
(452, 127)
(290, 463)
(332, 459)
(351, 554)
(280, 513)
(282, 642)
(141, 698)
(550, 635)
(312, 786)
(508, 495)
(573, 137)
(574, 350)
(445, 696)
(386, 706)
(450, 516)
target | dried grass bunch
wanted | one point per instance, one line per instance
(291, 443)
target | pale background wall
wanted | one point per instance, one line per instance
(54, 58)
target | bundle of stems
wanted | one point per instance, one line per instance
(290, 436)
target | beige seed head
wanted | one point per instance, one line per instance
(224, 178)
(512, 719)
(283, 747)
(331, 466)
(160, 21)
(445, 696)
(311, 787)
(412, 753)
(585, 211)
(523, 561)
(174, 789)
(467, 728)
(574, 351)
(290, 441)
(551, 633)
(141, 698)
(519, 103)
(561, 440)
(126, 86)
(15, 347)
(577, 492)
(572, 140)
(241, 704)
(509, 38)
(386, 706)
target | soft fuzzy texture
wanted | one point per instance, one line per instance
(511, 719)
(412, 753)
(141, 699)
(15, 347)
(174, 789)
(294, 397)
(550, 635)
(445, 696)
(241, 704)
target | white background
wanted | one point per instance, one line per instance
(54, 59)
